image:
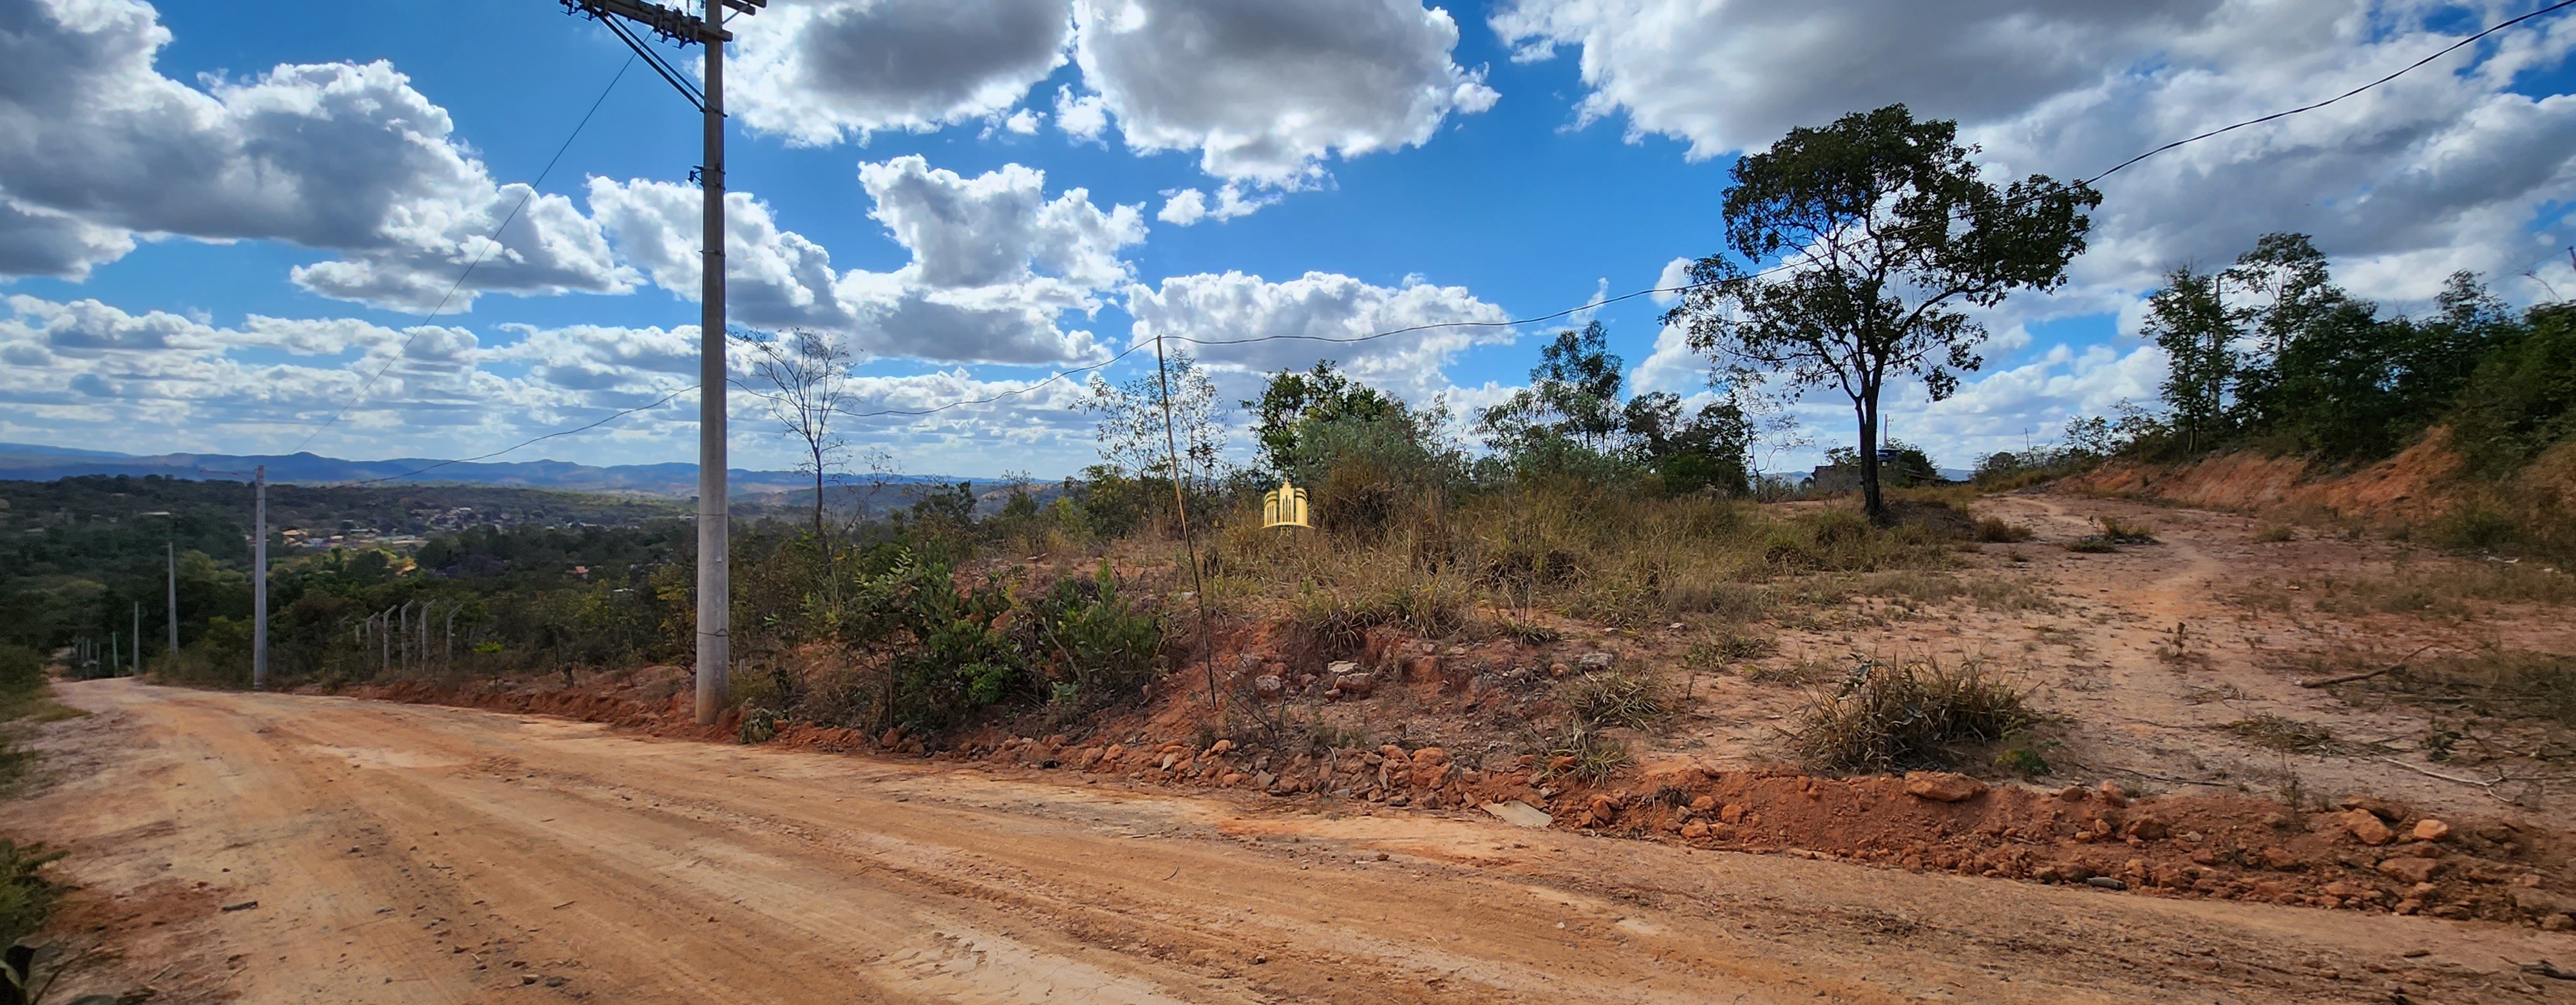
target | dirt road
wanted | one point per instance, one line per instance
(403, 853)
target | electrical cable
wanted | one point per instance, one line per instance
(611, 417)
(2408, 68)
(997, 397)
(670, 74)
(1687, 287)
(489, 243)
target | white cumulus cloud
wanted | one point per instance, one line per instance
(97, 146)
(1264, 91)
(1298, 314)
(995, 263)
(824, 70)
(2446, 168)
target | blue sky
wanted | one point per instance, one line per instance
(1563, 145)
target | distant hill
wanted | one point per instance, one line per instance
(28, 462)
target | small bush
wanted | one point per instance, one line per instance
(1889, 717)
(26, 896)
(1995, 530)
(2092, 546)
(2025, 755)
(1082, 633)
(1739, 646)
(759, 726)
(22, 670)
(2274, 534)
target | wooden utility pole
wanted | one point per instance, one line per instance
(715, 598)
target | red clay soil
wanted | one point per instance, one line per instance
(2409, 485)
(2366, 856)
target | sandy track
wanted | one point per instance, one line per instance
(404, 853)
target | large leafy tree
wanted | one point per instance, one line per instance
(1573, 412)
(2316, 369)
(1890, 235)
(2189, 321)
(1294, 403)
(1573, 393)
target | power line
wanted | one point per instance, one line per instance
(1684, 288)
(2408, 68)
(612, 417)
(1001, 395)
(489, 243)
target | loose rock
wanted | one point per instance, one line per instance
(2429, 829)
(2365, 827)
(2409, 869)
(1943, 786)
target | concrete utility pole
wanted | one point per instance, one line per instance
(259, 580)
(715, 597)
(136, 670)
(172, 547)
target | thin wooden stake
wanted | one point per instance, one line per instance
(1189, 543)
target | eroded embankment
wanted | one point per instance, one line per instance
(2370, 855)
(2413, 485)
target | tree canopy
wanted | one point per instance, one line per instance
(1890, 235)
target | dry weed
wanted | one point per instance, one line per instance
(1618, 698)
(1909, 714)
(2285, 735)
(1995, 530)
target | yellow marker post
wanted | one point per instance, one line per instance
(1285, 507)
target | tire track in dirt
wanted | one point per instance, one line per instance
(496, 853)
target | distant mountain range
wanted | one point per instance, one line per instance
(28, 462)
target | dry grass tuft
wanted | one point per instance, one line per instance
(1591, 552)
(1995, 530)
(1581, 752)
(2283, 734)
(1911, 714)
(1618, 698)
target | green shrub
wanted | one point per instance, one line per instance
(26, 896)
(1081, 634)
(2522, 397)
(759, 725)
